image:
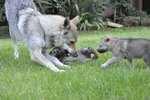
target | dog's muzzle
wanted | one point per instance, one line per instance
(101, 50)
(71, 51)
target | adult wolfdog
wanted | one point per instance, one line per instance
(127, 48)
(40, 32)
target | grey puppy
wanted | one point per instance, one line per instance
(84, 54)
(127, 48)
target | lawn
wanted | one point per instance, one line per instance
(25, 79)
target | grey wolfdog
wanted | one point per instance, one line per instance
(40, 32)
(84, 55)
(127, 48)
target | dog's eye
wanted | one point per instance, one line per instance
(107, 40)
(100, 46)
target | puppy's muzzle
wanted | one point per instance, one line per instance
(101, 50)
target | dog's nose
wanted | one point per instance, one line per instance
(101, 50)
(98, 50)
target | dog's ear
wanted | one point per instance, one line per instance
(67, 23)
(107, 39)
(75, 20)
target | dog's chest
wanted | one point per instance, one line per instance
(49, 41)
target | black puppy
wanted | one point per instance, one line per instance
(84, 54)
(59, 53)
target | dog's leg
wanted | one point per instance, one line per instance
(111, 61)
(37, 56)
(130, 61)
(16, 50)
(54, 60)
(15, 46)
(147, 60)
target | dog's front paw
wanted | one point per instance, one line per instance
(66, 66)
(55, 69)
(60, 71)
(103, 65)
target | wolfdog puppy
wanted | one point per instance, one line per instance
(60, 53)
(84, 55)
(127, 48)
(40, 32)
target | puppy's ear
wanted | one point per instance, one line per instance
(67, 23)
(107, 39)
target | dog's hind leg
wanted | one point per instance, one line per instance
(15, 46)
(147, 59)
(16, 50)
(111, 61)
(37, 56)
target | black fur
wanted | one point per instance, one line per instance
(84, 54)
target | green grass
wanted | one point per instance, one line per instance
(25, 79)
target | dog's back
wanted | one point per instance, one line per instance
(138, 47)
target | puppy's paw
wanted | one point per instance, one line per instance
(103, 65)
